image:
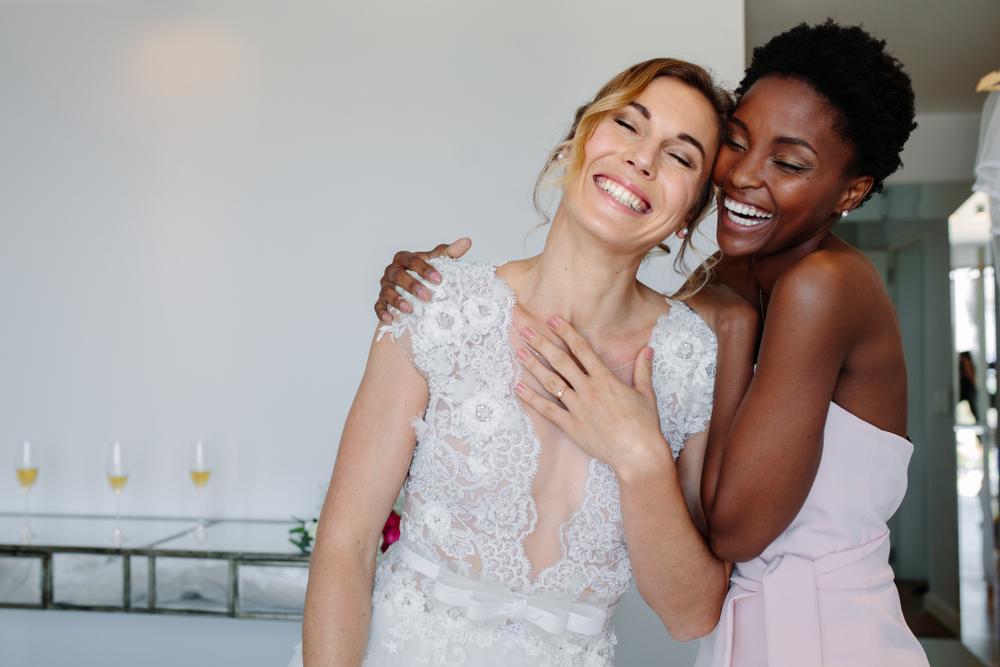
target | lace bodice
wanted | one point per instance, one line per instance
(470, 504)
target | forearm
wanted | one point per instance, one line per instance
(675, 571)
(338, 604)
(372, 459)
(734, 371)
(772, 452)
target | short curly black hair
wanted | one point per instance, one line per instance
(865, 86)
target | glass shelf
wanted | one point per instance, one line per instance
(88, 531)
(235, 568)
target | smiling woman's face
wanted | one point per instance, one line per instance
(645, 167)
(784, 170)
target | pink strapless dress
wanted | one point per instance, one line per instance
(822, 594)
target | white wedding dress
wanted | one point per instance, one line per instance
(512, 550)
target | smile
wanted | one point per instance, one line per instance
(621, 194)
(745, 214)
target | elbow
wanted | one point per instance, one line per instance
(694, 626)
(733, 545)
(700, 614)
(687, 632)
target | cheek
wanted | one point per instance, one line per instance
(723, 164)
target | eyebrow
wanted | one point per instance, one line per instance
(694, 142)
(780, 140)
(796, 142)
(683, 137)
(641, 109)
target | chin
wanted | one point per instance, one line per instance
(735, 246)
(736, 243)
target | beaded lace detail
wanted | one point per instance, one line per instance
(469, 504)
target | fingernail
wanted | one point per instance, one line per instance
(554, 323)
(649, 353)
(522, 354)
(405, 306)
(527, 333)
(435, 277)
(423, 294)
(386, 317)
(519, 388)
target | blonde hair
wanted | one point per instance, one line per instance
(626, 87)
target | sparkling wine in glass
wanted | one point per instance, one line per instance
(27, 473)
(117, 472)
(201, 470)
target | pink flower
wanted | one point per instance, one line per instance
(390, 532)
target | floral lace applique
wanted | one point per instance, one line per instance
(683, 373)
(469, 506)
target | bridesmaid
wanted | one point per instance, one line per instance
(798, 491)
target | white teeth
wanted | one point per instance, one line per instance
(746, 215)
(621, 194)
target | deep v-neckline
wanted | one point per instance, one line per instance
(595, 469)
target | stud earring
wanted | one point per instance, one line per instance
(843, 214)
(682, 232)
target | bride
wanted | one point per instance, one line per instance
(512, 547)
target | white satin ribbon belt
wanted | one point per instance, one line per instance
(791, 609)
(489, 602)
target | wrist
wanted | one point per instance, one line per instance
(649, 460)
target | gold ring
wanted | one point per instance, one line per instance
(560, 392)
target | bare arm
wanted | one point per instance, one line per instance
(676, 573)
(396, 276)
(372, 462)
(737, 326)
(759, 475)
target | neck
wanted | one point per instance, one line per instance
(579, 278)
(768, 268)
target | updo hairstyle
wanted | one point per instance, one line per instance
(568, 156)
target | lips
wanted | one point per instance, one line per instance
(746, 215)
(623, 194)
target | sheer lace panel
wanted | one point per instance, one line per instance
(470, 503)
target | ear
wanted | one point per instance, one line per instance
(857, 189)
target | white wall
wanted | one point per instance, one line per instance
(93, 639)
(196, 201)
(941, 150)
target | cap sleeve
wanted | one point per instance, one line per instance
(468, 301)
(685, 351)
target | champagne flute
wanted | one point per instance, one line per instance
(201, 470)
(27, 473)
(117, 471)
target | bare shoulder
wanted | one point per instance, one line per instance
(836, 295)
(653, 302)
(724, 309)
(830, 277)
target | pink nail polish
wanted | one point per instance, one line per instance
(405, 306)
(522, 354)
(423, 294)
(554, 323)
(649, 353)
(386, 317)
(527, 333)
(435, 277)
(519, 388)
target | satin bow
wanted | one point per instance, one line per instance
(490, 602)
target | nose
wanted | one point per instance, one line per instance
(744, 171)
(642, 157)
